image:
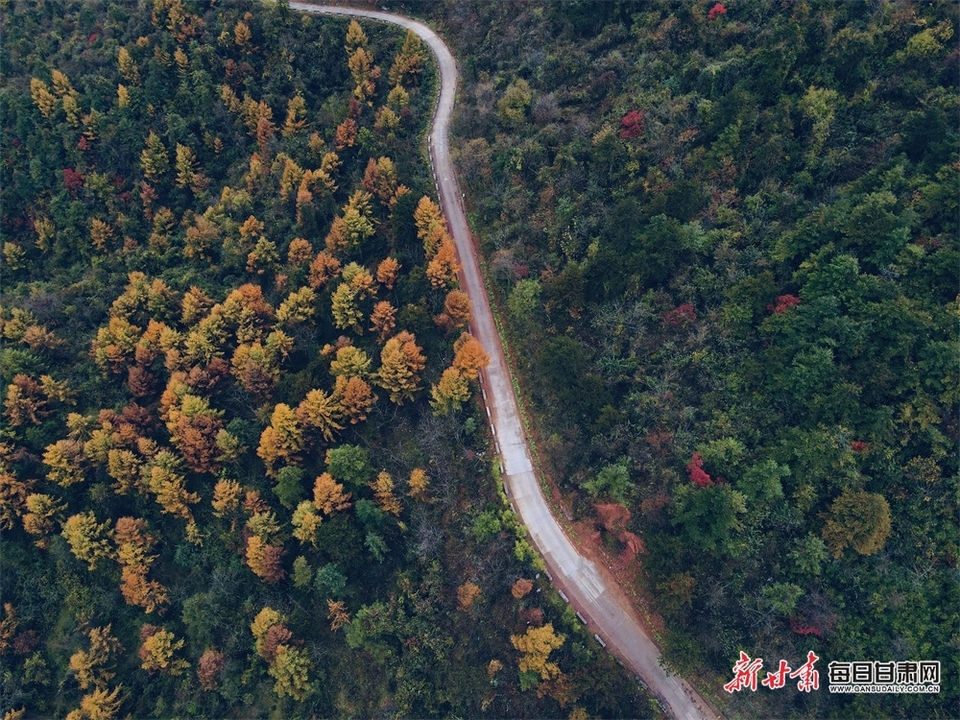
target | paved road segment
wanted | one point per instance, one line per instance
(591, 591)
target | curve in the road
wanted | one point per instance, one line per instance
(591, 592)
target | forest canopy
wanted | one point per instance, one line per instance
(241, 470)
(725, 239)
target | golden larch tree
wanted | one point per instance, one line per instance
(387, 272)
(133, 554)
(407, 65)
(65, 460)
(282, 441)
(226, 497)
(355, 397)
(450, 393)
(401, 362)
(299, 253)
(157, 649)
(92, 667)
(40, 517)
(417, 484)
(320, 412)
(265, 619)
(346, 312)
(456, 311)
(443, 268)
(296, 120)
(13, 498)
(337, 614)
(351, 361)
(101, 704)
(323, 268)
(383, 494)
(328, 495)
(265, 560)
(469, 356)
(89, 540)
(306, 522)
(535, 647)
(383, 320)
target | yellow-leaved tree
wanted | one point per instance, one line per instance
(157, 649)
(320, 412)
(89, 540)
(92, 667)
(450, 393)
(282, 441)
(355, 397)
(383, 493)
(401, 361)
(290, 670)
(418, 484)
(535, 646)
(101, 704)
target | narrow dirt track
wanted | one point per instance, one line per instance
(589, 588)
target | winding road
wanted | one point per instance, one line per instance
(587, 586)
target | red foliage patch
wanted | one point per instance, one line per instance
(716, 10)
(801, 629)
(680, 316)
(929, 244)
(25, 642)
(859, 446)
(696, 472)
(784, 303)
(632, 124)
(73, 181)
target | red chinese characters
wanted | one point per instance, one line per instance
(746, 674)
(746, 671)
(777, 679)
(808, 678)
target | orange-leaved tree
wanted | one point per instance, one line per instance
(443, 268)
(328, 495)
(133, 553)
(355, 397)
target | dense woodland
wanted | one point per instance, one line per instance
(725, 235)
(242, 470)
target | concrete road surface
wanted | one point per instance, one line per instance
(590, 590)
